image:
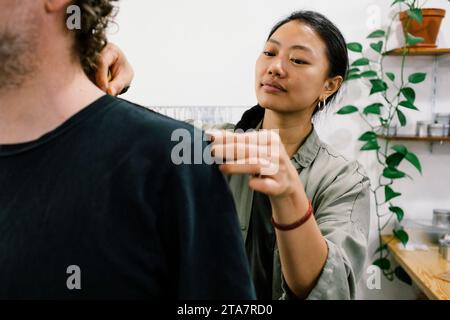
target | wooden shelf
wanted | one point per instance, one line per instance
(424, 268)
(414, 138)
(418, 52)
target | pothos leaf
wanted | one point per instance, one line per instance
(414, 160)
(398, 212)
(401, 117)
(347, 110)
(390, 194)
(402, 236)
(402, 275)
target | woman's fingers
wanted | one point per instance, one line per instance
(258, 167)
(263, 137)
(252, 166)
(106, 60)
(240, 151)
(247, 153)
(236, 146)
(114, 72)
(122, 75)
(265, 185)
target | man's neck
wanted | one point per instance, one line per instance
(293, 128)
(43, 102)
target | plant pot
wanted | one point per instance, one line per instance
(428, 29)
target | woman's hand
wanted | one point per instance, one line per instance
(303, 250)
(114, 72)
(260, 154)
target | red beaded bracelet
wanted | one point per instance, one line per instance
(287, 227)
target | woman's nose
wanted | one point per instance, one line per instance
(277, 68)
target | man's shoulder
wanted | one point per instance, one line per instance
(143, 118)
(137, 130)
(123, 120)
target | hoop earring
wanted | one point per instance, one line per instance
(322, 105)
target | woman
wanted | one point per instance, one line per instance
(306, 226)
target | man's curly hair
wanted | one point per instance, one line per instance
(91, 38)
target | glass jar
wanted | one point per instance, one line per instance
(438, 130)
(422, 128)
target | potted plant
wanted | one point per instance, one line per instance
(392, 96)
(421, 23)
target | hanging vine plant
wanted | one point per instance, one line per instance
(392, 93)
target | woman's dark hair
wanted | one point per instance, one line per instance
(337, 55)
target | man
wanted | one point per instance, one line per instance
(91, 204)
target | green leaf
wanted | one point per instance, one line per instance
(367, 136)
(369, 74)
(361, 62)
(353, 70)
(401, 117)
(377, 34)
(416, 14)
(402, 275)
(402, 236)
(353, 76)
(412, 40)
(391, 76)
(347, 110)
(394, 160)
(378, 86)
(397, 1)
(392, 173)
(390, 194)
(417, 77)
(378, 47)
(400, 149)
(414, 160)
(408, 104)
(409, 94)
(383, 263)
(370, 145)
(374, 108)
(355, 47)
(398, 212)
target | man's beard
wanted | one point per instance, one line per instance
(17, 60)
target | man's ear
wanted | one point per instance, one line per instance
(56, 5)
(332, 85)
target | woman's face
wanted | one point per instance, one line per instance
(292, 70)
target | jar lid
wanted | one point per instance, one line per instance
(441, 211)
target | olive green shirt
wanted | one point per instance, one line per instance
(340, 195)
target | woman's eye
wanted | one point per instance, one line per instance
(298, 61)
(268, 53)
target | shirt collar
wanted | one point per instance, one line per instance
(308, 151)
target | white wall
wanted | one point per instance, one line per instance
(202, 53)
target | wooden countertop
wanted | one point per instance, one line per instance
(423, 267)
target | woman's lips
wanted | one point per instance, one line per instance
(271, 89)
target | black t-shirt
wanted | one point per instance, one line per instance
(101, 193)
(260, 245)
